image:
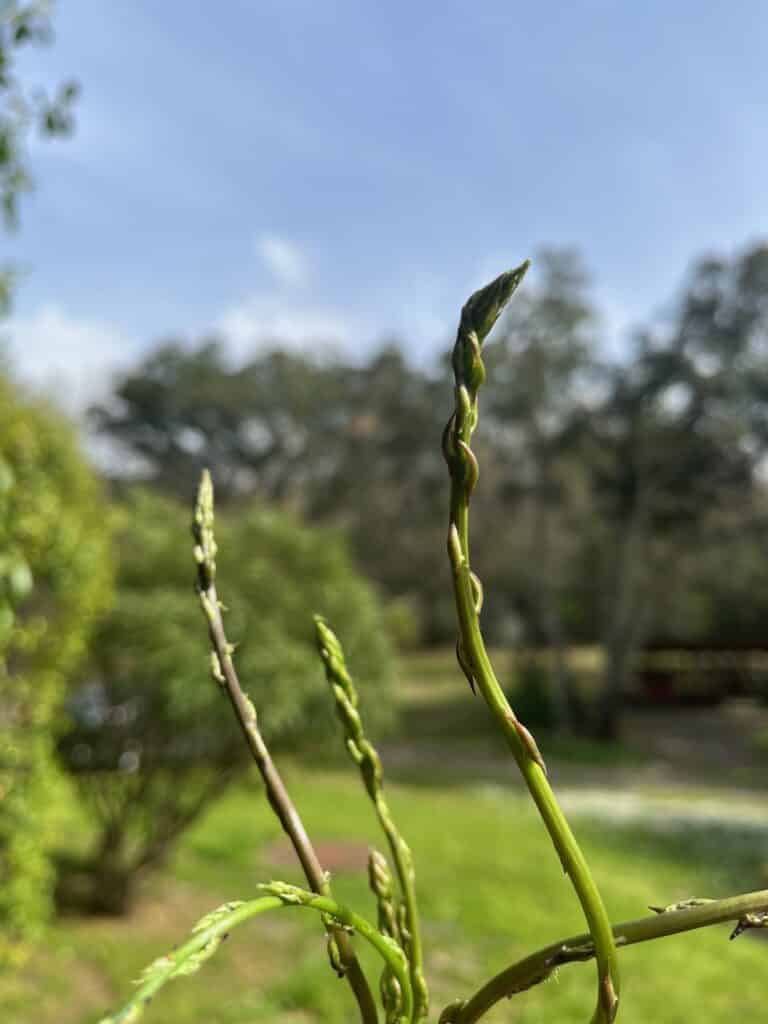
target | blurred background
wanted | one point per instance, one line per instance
(239, 237)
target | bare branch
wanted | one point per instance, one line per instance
(225, 674)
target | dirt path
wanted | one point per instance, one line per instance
(687, 806)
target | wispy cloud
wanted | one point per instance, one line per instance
(266, 319)
(69, 358)
(74, 359)
(285, 260)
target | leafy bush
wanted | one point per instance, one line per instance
(54, 578)
(150, 742)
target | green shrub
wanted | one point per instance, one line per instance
(150, 741)
(54, 578)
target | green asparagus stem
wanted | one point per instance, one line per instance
(477, 318)
(539, 966)
(341, 953)
(367, 759)
(211, 930)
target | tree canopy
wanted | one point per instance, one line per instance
(606, 465)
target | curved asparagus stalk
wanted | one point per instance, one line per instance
(211, 930)
(367, 759)
(477, 318)
(342, 955)
(747, 909)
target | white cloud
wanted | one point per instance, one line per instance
(618, 318)
(263, 318)
(74, 359)
(285, 260)
(70, 359)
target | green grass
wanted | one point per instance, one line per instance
(491, 891)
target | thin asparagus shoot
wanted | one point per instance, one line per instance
(368, 761)
(223, 670)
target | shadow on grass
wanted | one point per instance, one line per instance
(732, 857)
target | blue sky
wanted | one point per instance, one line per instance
(351, 170)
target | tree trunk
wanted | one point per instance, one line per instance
(561, 691)
(616, 677)
(564, 697)
(625, 625)
(100, 884)
(112, 878)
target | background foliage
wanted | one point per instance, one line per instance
(23, 109)
(610, 471)
(54, 579)
(151, 740)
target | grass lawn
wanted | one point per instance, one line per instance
(491, 890)
(491, 887)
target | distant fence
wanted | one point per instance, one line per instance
(663, 676)
(698, 676)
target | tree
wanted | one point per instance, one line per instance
(385, 483)
(348, 444)
(540, 370)
(54, 579)
(51, 580)
(149, 742)
(183, 408)
(679, 436)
